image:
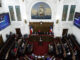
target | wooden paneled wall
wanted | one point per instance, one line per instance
(42, 26)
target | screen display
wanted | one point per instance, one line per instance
(77, 19)
(4, 20)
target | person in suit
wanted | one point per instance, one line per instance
(39, 32)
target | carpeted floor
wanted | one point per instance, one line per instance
(40, 49)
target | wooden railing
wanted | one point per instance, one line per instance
(76, 44)
(71, 49)
(6, 47)
(64, 54)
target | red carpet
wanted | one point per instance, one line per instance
(40, 49)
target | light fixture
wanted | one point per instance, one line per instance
(57, 21)
(25, 21)
(59, 0)
(41, 22)
(22, 0)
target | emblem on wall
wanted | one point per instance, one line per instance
(41, 10)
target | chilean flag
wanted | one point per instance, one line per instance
(51, 29)
(31, 29)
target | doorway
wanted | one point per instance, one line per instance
(18, 31)
(65, 31)
(1, 40)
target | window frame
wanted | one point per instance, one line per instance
(12, 14)
(64, 12)
(71, 13)
(18, 13)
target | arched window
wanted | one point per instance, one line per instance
(41, 10)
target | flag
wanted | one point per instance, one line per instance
(31, 29)
(51, 29)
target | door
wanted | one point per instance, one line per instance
(18, 31)
(1, 40)
(65, 31)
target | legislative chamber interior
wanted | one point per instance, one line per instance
(39, 29)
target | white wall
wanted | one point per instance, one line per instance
(26, 6)
(76, 32)
(19, 24)
(7, 30)
(57, 9)
(14, 24)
